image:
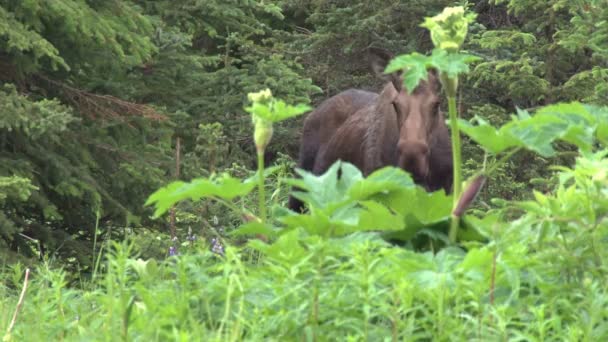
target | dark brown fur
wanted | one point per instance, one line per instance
(373, 130)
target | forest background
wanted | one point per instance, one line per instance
(95, 96)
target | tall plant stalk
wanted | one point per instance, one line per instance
(456, 155)
(261, 190)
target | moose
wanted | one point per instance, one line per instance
(371, 130)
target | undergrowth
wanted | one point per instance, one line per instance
(374, 258)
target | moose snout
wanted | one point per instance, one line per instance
(414, 158)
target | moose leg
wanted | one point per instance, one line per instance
(309, 149)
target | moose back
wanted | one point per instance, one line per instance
(372, 130)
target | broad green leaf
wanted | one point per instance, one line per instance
(252, 228)
(283, 111)
(600, 115)
(570, 122)
(478, 228)
(490, 138)
(314, 223)
(477, 259)
(319, 223)
(378, 217)
(383, 180)
(415, 67)
(537, 133)
(276, 110)
(409, 262)
(441, 275)
(426, 207)
(285, 249)
(451, 64)
(225, 187)
(419, 209)
(327, 191)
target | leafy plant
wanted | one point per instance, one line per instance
(330, 273)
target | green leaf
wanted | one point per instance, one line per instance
(383, 180)
(441, 274)
(419, 209)
(415, 66)
(600, 115)
(327, 191)
(276, 110)
(487, 136)
(317, 223)
(285, 249)
(477, 228)
(378, 217)
(570, 122)
(225, 187)
(477, 260)
(451, 64)
(252, 228)
(283, 111)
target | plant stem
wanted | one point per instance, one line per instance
(261, 194)
(19, 304)
(95, 245)
(457, 164)
(501, 161)
(226, 204)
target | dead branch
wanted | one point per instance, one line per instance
(102, 106)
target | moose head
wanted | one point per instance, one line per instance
(417, 113)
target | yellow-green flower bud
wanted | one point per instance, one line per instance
(449, 28)
(262, 133)
(262, 126)
(260, 96)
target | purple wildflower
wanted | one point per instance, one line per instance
(217, 247)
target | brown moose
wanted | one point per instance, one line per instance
(372, 130)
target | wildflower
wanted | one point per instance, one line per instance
(190, 237)
(449, 28)
(261, 110)
(262, 133)
(260, 96)
(217, 247)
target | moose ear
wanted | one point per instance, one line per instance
(379, 59)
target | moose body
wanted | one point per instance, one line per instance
(370, 131)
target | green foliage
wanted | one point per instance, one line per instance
(452, 65)
(330, 37)
(73, 76)
(19, 41)
(33, 119)
(112, 34)
(574, 123)
(15, 188)
(76, 147)
(541, 47)
(224, 187)
(539, 277)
